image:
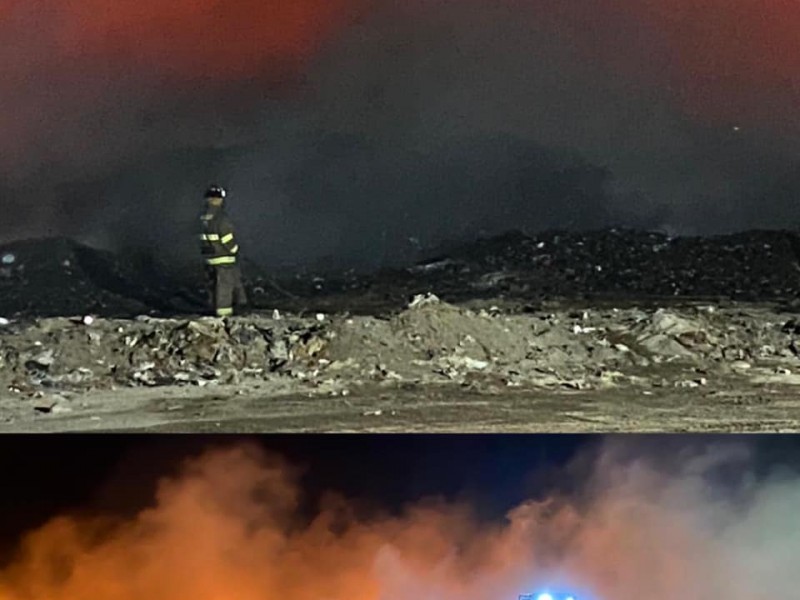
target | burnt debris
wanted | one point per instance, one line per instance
(60, 277)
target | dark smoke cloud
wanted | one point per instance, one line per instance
(701, 523)
(356, 132)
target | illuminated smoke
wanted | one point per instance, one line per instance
(229, 526)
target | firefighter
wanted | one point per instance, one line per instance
(220, 251)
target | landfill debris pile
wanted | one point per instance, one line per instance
(754, 265)
(434, 341)
(80, 354)
(62, 278)
(430, 342)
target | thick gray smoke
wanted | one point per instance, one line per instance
(702, 523)
(413, 125)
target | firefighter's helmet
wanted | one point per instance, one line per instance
(215, 191)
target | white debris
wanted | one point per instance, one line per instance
(276, 315)
(45, 359)
(431, 266)
(466, 362)
(421, 300)
(687, 384)
(9, 258)
(578, 329)
(472, 363)
(88, 320)
(320, 317)
(4, 321)
(669, 323)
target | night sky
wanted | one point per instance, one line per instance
(344, 128)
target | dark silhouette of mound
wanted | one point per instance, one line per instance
(59, 277)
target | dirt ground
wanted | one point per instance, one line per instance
(419, 409)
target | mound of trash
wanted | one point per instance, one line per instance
(80, 354)
(430, 342)
(433, 341)
(61, 278)
(756, 265)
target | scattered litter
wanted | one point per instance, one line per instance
(468, 363)
(578, 329)
(421, 300)
(431, 266)
(43, 360)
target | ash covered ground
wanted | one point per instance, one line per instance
(610, 330)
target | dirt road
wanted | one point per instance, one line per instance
(418, 408)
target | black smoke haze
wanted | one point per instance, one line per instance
(409, 126)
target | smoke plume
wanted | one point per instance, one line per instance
(353, 132)
(700, 524)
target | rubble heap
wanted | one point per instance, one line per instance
(430, 342)
(582, 349)
(80, 354)
(61, 277)
(618, 263)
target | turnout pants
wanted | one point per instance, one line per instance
(225, 288)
